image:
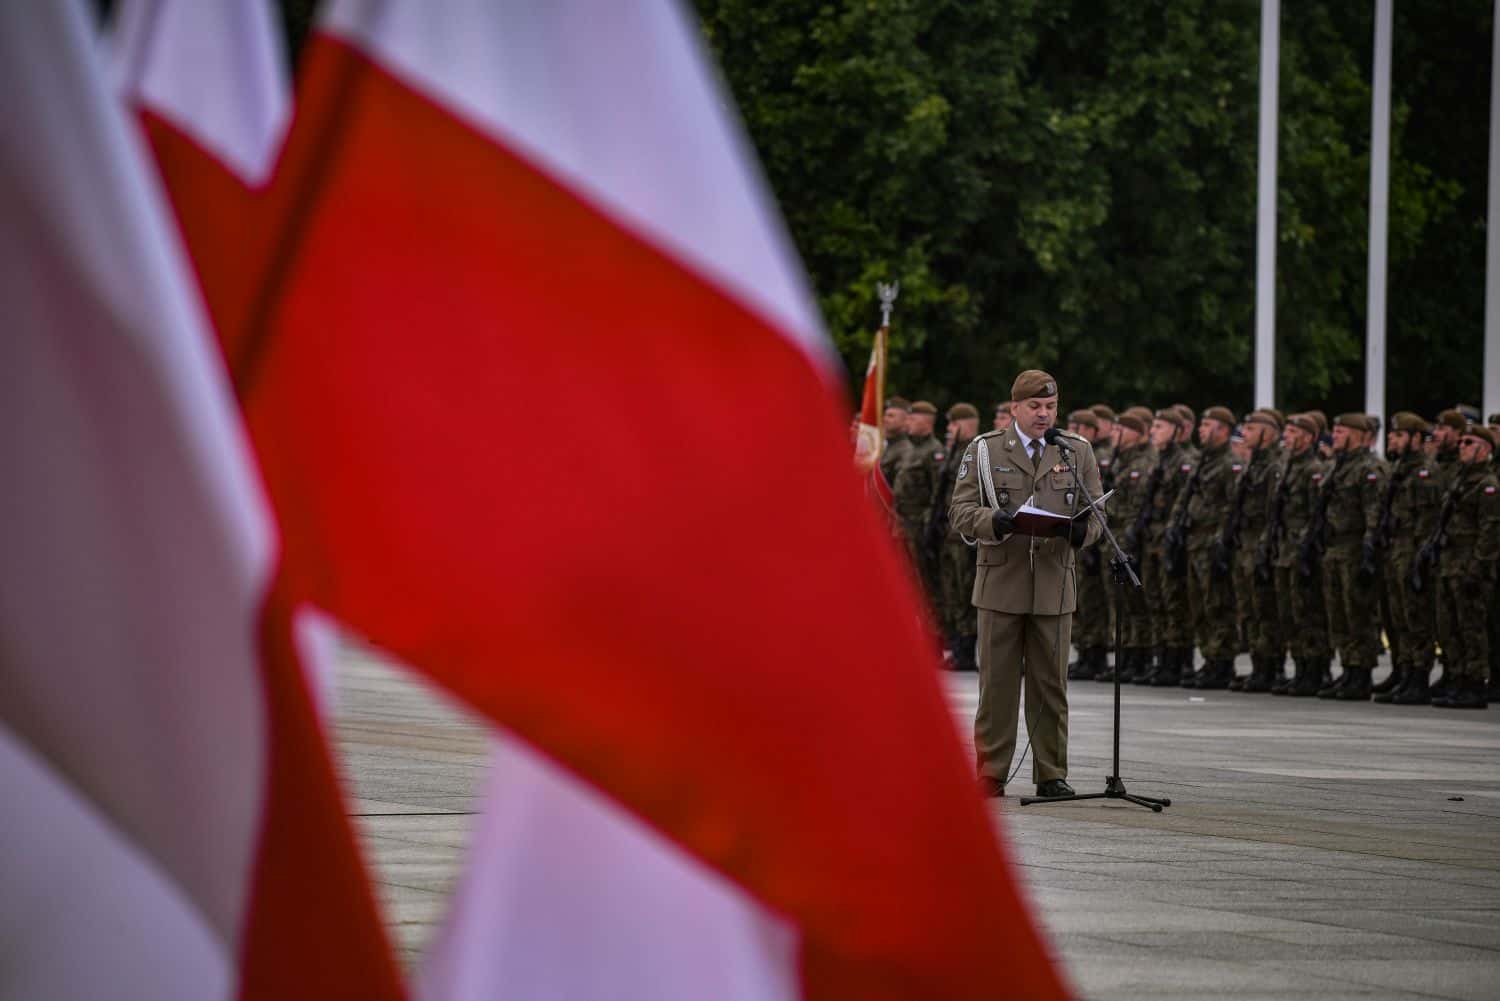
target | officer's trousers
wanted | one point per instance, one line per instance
(1013, 648)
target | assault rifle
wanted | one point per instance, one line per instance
(1229, 539)
(1174, 553)
(1314, 539)
(1432, 549)
(1385, 524)
(1138, 528)
(1270, 543)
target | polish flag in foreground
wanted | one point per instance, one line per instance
(498, 215)
(171, 826)
(870, 434)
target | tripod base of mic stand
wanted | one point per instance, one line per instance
(1114, 788)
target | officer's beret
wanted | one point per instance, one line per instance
(1223, 415)
(923, 407)
(1186, 413)
(1169, 414)
(1269, 418)
(1085, 417)
(1352, 420)
(959, 411)
(1132, 421)
(1104, 412)
(1484, 433)
(1306, 422)
(1454, 419)
(898, 403)
(1405, 420)
(1321, 418)
(1032, 382)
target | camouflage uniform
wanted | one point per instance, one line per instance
(1255, 594)
(956, 563)
(1204, 504)
(1091, 623)
(1471, 552)
(1349, 593)
(1415, 490)
(1166, 596)
(896, 447)
(912, 493)
(1132, 472)
(1299, 598)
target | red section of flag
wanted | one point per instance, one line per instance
(676, 609)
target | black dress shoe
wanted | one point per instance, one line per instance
(991, 787)
(1052, 788)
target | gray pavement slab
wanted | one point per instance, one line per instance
(1313, 849)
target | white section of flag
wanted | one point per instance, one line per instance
(567, 896)
(617, 102)
(215, 69)
(136, 542)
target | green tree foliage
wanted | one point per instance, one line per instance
(1071, 185)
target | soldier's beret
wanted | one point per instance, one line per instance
(1104, 412)
(1032, 382)
(1278, 414)
(1169, 414)
(1085, 417)
(1484, 434)
(1470, 412)
(1223, 415)
(1321, 418)
(1133, 421)
(1270, 418)
(959, 411)
(1306, 422)
(1405, 420)
(1454, 419)
(923, 407)
(1144, 413)
(898, 403)
(1372, 422)
(1352, 420)
(1002, 408)
(1186, 413)
(1494, 419)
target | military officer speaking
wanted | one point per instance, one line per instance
(1024, 586)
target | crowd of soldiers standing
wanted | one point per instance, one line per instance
(1277, 535)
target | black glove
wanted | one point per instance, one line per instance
(1002, 522)
(1089, 560)
(1220, 564)
(1077, 532)
(1368, 566)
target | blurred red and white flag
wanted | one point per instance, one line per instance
(207, 80)
(869, 433)
(172, 828)
(545, 410)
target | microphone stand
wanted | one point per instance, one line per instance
(1123, 574)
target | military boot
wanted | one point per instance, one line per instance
(1309, 678)
(1414, 691)
(1330, 689)
(1237, 683)
(1357, 688)
(1079, 669)
(1221, 677)
(1129, 665)
(1268, 673)
(1385, 692)
(1443, 690)
(1187, 674)
(1390, 684)
(1282, 683)
(1138, 666)
(1468, 693)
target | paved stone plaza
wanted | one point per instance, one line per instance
(1312, 849)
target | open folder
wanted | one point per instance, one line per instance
(1032, 520)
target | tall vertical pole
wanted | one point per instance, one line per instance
(1265, 221)
(1380, 173)
(1492, 240)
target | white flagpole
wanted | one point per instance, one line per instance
(1265, 226)
(1380, 157)
(1492, 240)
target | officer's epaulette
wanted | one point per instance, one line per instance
(989, 434)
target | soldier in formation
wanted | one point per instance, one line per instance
(1278, 535)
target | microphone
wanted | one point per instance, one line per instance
(1054, 436)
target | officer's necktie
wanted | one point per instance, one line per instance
(1036, 454)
